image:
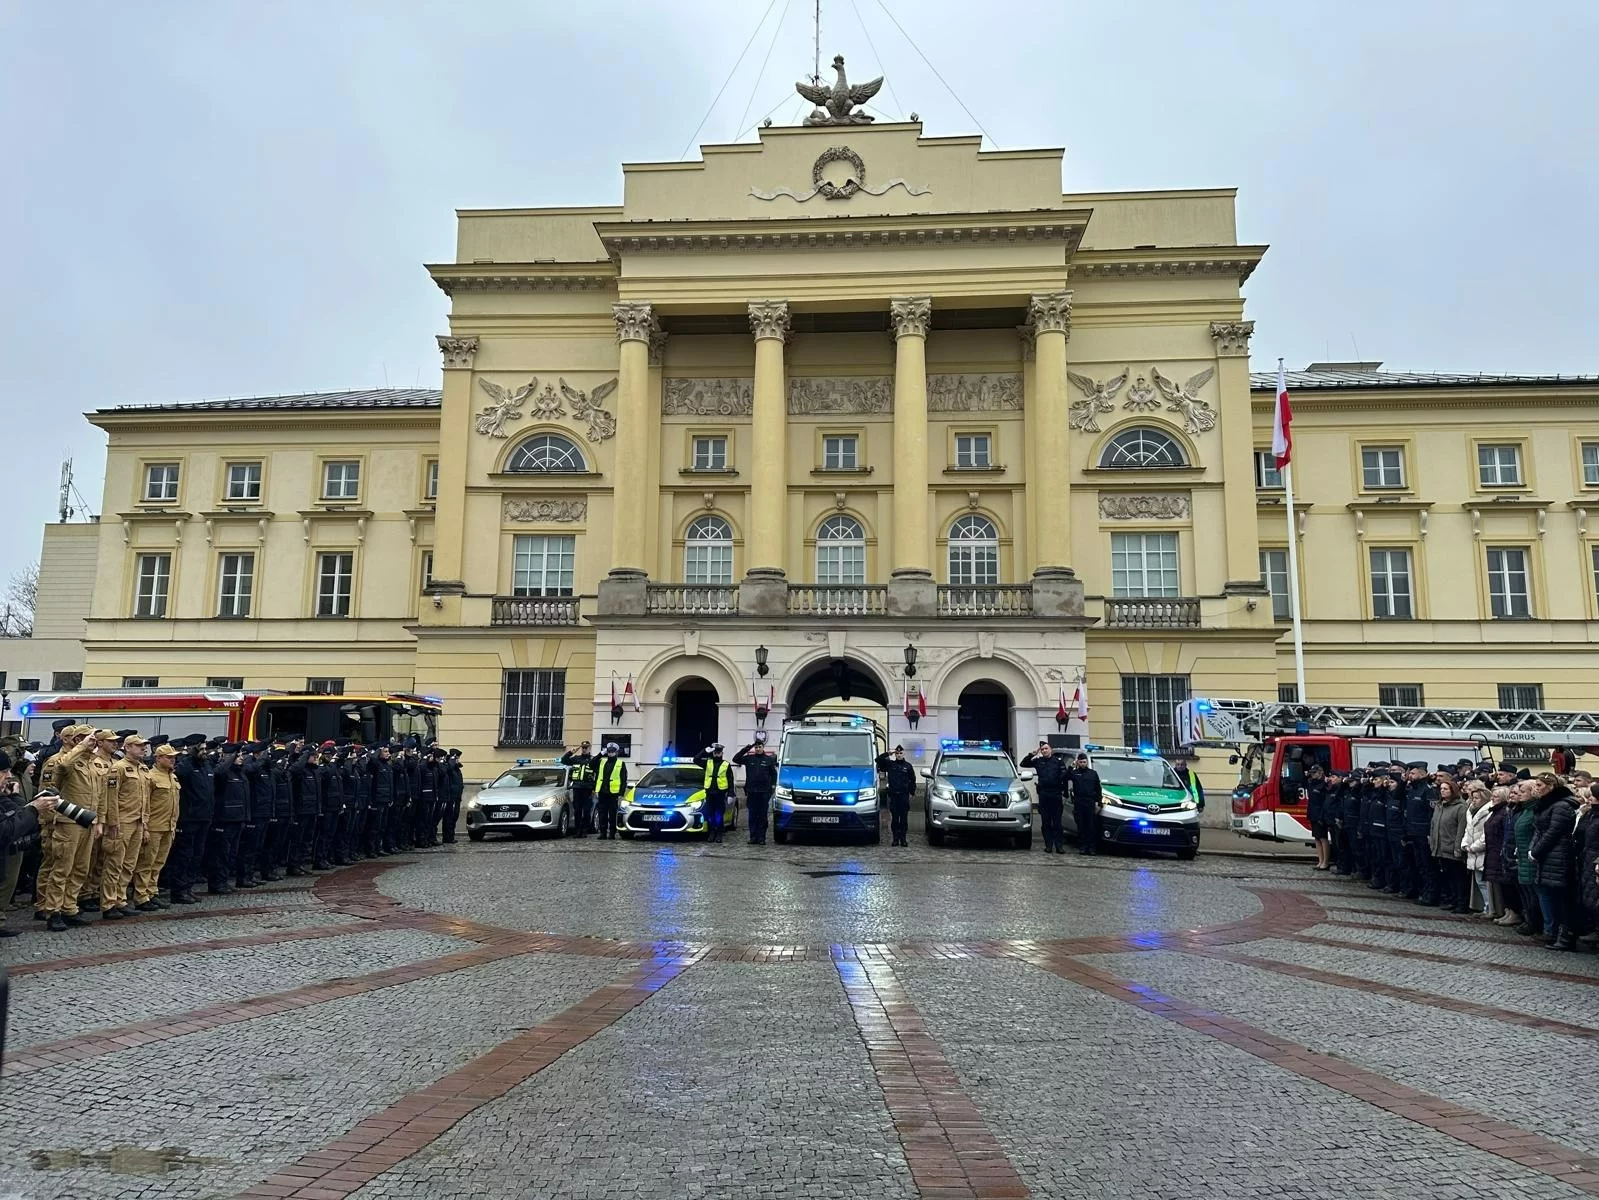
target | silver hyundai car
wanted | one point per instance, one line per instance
(531, 797)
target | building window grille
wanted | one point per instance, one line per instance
(533, 708)
(1142, 448)
(973, 552)
(1149, 708)
(546, 454)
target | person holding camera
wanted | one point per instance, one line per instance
(19, 821)
(79, 772)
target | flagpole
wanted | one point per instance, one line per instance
(1293, 573)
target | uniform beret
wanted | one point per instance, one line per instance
(126, 733)
(325, 746)
(1418, 765)
(63, 724)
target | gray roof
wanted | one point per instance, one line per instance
(370, 398)
(1326, 376)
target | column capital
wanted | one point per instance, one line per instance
(457, 351)
(769, 319)
(912, 315)
(635, 321)
(1232, 337)
(658, 338)
(1051, 312)
(1028, 337)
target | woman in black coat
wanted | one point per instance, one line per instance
(1586, 857)
(1551, 852)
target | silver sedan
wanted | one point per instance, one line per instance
(529, 798)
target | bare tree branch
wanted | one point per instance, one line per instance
(21, 598)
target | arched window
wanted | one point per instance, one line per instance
(840, 551)
(708, 552)
(973, 552)
(544, 453)
(1142, 447)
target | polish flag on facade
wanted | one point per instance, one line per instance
(1061, 711)
(631, 696)
(1082, 701)
(916, 704)
(615, 703)
(1282, 437)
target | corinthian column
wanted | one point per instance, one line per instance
(455, 425)
(622, 592)
(1237, 454)
(764, 590)
(1056, 591)
(911, 588)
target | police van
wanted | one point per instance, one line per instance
(827, 777)
(974, 787)
(1146, 805)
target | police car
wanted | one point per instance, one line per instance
(974, 787)
(1146, 805)
(827, 777)
(669, 798)
(531, 797)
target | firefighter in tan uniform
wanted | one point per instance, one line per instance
(127, 800)
(160, 825)
(77, 772)
(49, 771)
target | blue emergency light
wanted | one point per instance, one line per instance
(22, 709)
(1202, 705)
(966, 744)
(674, 760)
(522, 762)
(1148, 751)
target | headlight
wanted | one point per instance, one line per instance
(783, 793)
(1019, 796)
(694, 805)
(473, 804)
(943, 791)
(541, 802)
(867, 795)
(1188, 806)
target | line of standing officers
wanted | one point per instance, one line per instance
(171, 816)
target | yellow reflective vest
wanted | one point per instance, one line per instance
(718, 775)
(612, 777)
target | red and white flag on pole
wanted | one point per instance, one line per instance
(1061, 711)
(615, 703)
(631, 696)
(1282, 434)
(915, 704)
(1082, 701)
(921, 701)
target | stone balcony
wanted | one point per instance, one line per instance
(1152, 612)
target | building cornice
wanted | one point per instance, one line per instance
(236, 421)
(523, 277)
(1236, 261)
(1486, 396)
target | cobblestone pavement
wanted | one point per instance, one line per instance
(598, 1019)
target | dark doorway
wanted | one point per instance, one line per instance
(694, 717)
(838, 679)
(984, 714)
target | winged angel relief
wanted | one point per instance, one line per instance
(1198, 416)
(548, 405)
(586, 407)
(1097, 398)
(491, 421)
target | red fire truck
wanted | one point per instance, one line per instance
(1276, 744)
(236, 716)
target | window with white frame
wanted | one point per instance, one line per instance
(1509, 585)
(546, 454)
(322, 685)
(840, 551)
(840, 452)
(973, 451)
(341, 480)
(973, 552)
(1274, 574)
(1391, 589)
(244, 483)
(533, 708)
(1382, 467)
(543, 564)
(1400, 695)
(226, 683)
(710, 454)
(1590, 464)
(708, 552)
(140, 681)
(1499, 465)
(427, 569)
(235, 585)
(1267, 477)
(1594, 550)
(1143, 448)
(335, 582)
(160, 483)
(430, 480)
(1525, 696)
(1143, 564)
(152, 578)
(1149, 709)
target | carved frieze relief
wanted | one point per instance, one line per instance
(548, 405)
(1098, 398)
(1158, 506)
(558, 509)
(974, 393)
(708, 398)
(824, 395)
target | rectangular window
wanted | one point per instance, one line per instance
(1523, 696)
(1143, 564)
(27, 684)
(235, 585)
(1390, 585)
(140, 681)
(160, 483)
(1382, 467)
(1399, 695)
(1149, 704)
(430, 480)
(335, 577)
(341, 480)
(1509, 594)
(840, 452)
(1590, 464)
(226, 683)
(542, 566)
(1287, 693)
(1499, 466)
(972, 451)
(323, 686)
(1267, 477)
(152, 578)
(427, 569)
(1274, 574)
(710, 454)
(533, 708)
(1595, 553)
(244, 483)
(66, 681)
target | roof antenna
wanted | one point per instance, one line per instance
(816, 46)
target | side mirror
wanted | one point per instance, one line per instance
(1027, 774)
(927, 772)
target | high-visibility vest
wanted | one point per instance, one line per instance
(610, 777)
(718, 775)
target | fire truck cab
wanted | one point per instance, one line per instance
(1276, 745)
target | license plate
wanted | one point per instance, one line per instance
(655, 818)
(1157, 831)
(830, 820)
(503, 814)
(982, 815)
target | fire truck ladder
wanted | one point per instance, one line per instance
(1231, 722)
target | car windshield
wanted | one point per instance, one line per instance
(1136, 772)
(975, 767)
(530, 777)
(806, 749)
(674, 777)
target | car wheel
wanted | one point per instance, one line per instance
(877, 833)
(1189, 854)
(780, 836)
(935, 837)
(1024, 841)
(475, 834)
(627, 833)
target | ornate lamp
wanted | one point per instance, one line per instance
(761, 668)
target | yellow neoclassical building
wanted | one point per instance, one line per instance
(843, 412)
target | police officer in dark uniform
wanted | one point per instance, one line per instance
(228, 819)
(1398, 879)
(252, 839)
(1421, 794)
(1088, 796)
(1374, 831)
(400, 814)
(196, 805)
(357, 797)
(380, 771)
(280, 832)
(426, 822)
(1349, 845)
(330, 786)
(307, 808)
(718, 783)
(899, 781)
(610, 785)
(1053, 772)
(581, 780)
(760, 781)
(456, 791)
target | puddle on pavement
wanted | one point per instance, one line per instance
(119, 1160)
(833, 874)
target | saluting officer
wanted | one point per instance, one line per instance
(160, 821)
(610, 785)
(196, 806)
(1052, 777)
(899, 780)
(454, 789)
(228, 818)
(718, 784)
(127, 803)
(582, 767)
(760, 781)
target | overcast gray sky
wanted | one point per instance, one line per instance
(219, 197)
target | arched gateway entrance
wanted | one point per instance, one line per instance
(841, 684)
(983, 714)
(694, 715)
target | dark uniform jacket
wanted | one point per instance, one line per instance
(760, 771)
(232, 788)
(258, 771)
(1053, 772)
(1395, 806)
(282, 789)
(1086, 787)
(454, 781)
(196, 789)
(381, 771)
(1554, 816)
(583, 766)
(1316, 801)
(330, 781)
(307, 795)
(900, 776)
(1420, 795)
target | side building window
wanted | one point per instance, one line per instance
(1149, 709)
(1274, 574)
(533, 708)
(151, 581)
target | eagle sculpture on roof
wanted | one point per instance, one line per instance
(836, 104)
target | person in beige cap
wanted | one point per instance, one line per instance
(107, 743)
(160, 825)
(65, 736)
(77, 773)
(127, 799)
